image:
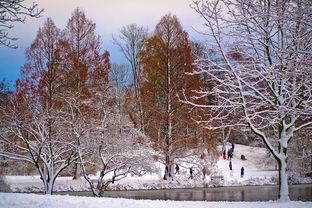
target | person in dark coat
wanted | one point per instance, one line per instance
(177, 168)
(230, 153)
(243, 157)
(191, 173)
(204, 172)
(242, 172)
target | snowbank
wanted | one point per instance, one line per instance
(9, 200)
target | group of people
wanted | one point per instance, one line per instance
(229, 156)
(177, 171)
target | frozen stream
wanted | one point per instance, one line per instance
(242, 193)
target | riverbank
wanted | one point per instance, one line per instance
(259, 170)
(301, 192)
(14, 200)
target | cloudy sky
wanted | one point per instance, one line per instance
(109, 16)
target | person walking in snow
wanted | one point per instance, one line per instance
(242, 172)
(204, 172)
(230, 154)
(191, 173)
(177, 168)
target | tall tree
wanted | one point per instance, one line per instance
(83, 47)
(268, 88)
(131, 42)
(12, 11)
(32, 123)
(86, 68)
(166, 59)
(42, 70)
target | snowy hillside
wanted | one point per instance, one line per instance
(258, 168)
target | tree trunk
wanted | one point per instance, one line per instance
(48, 185)
(76, 171)
(168, 170)
(223, 146)
(283, 194)
(225, 139)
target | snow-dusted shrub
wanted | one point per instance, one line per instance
(4, 187)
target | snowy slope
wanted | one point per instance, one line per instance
(257, 171)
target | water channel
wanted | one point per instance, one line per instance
(241, 193)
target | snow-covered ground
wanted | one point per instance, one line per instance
(259, 170)
(55, 201)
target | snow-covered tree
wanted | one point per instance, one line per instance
(264, 78)
(26, 135)
(31, 127)
(84, 67)
(114, 147)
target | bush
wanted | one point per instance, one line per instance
(4, 187)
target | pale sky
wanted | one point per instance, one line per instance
(109, 16)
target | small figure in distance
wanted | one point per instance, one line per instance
(177, 168)
(243, 157)
(191, 173)
(242, 172)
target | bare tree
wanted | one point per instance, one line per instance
(267, 87)
(12, 11)
(114, 146)
(120, 76)
(25, 137)
(130, 43)
(117, 151)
